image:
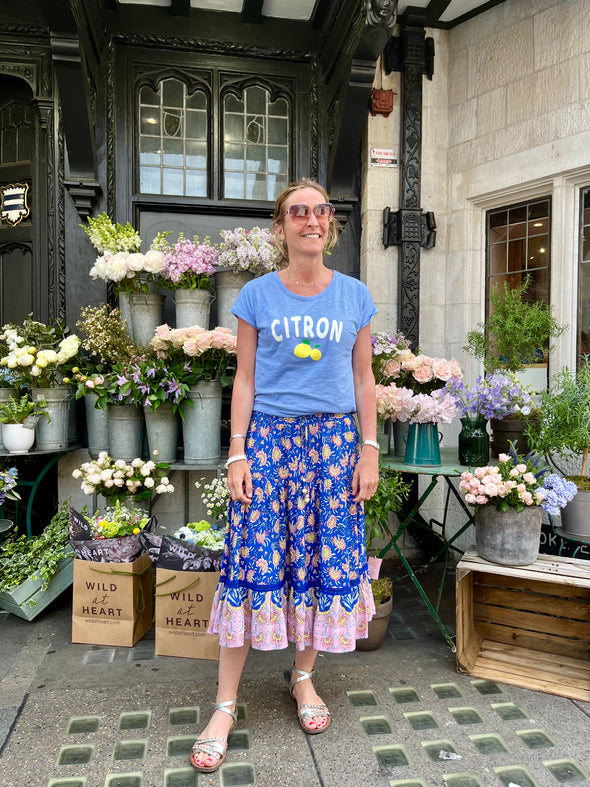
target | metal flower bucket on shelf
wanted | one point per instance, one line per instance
(192, 307)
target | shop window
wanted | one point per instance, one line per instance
(173, 134)
(255, 144)
(584, 276)
(518, 245)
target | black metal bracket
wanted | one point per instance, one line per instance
(409, 225)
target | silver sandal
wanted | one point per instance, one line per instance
(214, 747)
(305, 712)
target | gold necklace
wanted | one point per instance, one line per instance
(300, 283)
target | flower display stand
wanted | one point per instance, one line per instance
(526, 626)
(17, 601)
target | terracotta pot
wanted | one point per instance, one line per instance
(377, 627)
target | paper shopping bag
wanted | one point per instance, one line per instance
(183, 607)
(112, 602)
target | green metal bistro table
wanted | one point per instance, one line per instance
(447, 470)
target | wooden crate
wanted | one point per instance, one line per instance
(526, 626)
(16, 601)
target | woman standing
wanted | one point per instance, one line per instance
(294, 566)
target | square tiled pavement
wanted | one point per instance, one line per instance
(115, 717)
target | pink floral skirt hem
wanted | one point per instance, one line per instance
(298, 619)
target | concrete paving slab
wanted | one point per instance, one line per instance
(76, 715)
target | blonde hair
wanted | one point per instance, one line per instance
(278, 217)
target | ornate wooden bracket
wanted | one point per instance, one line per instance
(410, 228)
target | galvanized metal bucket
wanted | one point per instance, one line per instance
(193, 308)
(201, 429)
(162, 432)
(125, 427)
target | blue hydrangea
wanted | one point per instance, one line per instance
(558, 492)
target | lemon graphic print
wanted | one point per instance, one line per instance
(305, 350)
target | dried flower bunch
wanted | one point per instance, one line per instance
(189, 264)
(38, 352)
(116, 479)
(248, 250)
(107, 338)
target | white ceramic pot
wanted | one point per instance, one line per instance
(18, 439)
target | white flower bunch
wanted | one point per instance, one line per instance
(115, 478)
(248, 250)
(106, 236)
(216, 498)
(38, 366)
(126, 265)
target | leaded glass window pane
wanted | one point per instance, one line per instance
(173, 133)
(255, 145)
(518, 245)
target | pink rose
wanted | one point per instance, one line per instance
(392, 369)
(442, 369)
(481, 500)
(423, 374)
(410, 363)
(455, 368)
(470, 499)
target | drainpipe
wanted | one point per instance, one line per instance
(410, 228)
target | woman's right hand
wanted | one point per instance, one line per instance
(239, 482)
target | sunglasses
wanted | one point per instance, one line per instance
(323, 210)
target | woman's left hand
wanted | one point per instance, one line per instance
(366, 475)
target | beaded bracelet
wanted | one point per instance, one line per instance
(372, 443)
(235, 458)
(235, 436)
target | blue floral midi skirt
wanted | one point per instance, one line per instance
(294, 566)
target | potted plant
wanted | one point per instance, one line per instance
(499, 397)
(563, 428)
(509, 499)
(40, 353)
(19, 418)
(34, 571)
(517, 332)
(392, 490)
(189, 266)
(208, 359)
(243, 254)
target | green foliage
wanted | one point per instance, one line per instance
(391, 492)
(23, 558)
(563, 425)
(382, 589)
(16, 411)
(516, 332)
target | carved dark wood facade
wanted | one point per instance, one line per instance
(82, 62)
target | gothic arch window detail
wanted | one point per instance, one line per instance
(173, 139)
(256, 144)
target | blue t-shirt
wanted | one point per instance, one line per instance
(304, 353)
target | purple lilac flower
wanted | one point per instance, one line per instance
(558, 492)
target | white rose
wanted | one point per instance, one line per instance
(25, 359)
(77, 474)
(149, 482)
(153, 261)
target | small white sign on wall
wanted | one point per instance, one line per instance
(383, 157)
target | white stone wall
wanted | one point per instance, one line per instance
(506, 118)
